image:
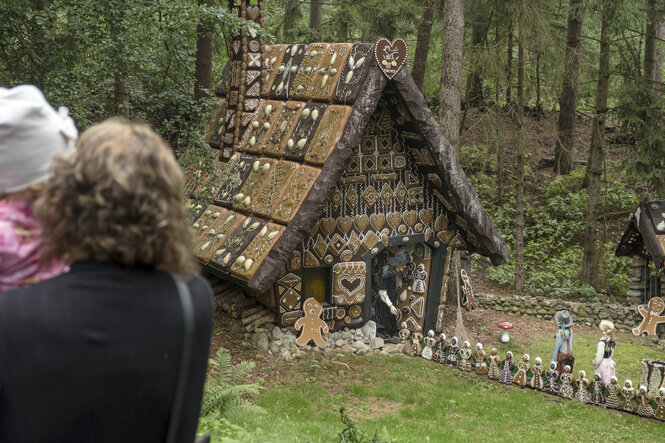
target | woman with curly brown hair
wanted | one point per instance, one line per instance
(94, 354)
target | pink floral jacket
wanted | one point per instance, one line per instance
(20, 248)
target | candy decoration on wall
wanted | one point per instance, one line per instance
(467, 301)
(420, 279)
(390, 55)
(311, 324)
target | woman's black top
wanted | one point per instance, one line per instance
(92, 356)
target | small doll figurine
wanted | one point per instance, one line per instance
(506, 375)
(479, 355)
(603, 364)
(465, 357)
(628, 392)
(613, 390)
(404, 335)
(660, 410)
(493, 371)
(644, 407)
(417, 338)
(552, 374)
(522, 368)
(537, 378)
(597, 394)
(430, 341)
(441, 347)
(582, 395)
(451, 359)
(566, 389)
(404, 332)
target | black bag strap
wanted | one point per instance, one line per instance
(188, 339)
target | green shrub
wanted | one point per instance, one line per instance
(225, 388)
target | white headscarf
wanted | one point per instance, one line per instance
(32, 133)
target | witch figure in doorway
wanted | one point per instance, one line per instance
(391, 281)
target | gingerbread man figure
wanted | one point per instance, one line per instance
(651, 317)
(311, 324)
(417, 338)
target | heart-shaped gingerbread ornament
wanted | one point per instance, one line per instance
(328, 225)
(390, 55)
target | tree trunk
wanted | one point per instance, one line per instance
(342, 20)
(291, 16)
(509, 67)
(539, 103)
(497, 138)
(565, 142)
(474, 81)
(653, 46)
(595, 164)
(519, 164)
(422, 44)
(203, 68)
(451, 72)
(315, 18)
(120, 94)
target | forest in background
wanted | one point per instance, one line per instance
(556, 106)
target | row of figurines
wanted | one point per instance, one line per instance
(611, 395)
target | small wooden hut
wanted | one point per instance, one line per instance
(644, 240)
(335, 162)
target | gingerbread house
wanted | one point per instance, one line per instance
(332, 162)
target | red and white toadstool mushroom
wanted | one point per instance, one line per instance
(505, 326)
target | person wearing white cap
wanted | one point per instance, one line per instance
(32, 133)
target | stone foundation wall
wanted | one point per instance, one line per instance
(624, 317)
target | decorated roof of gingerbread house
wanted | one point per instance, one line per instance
(645, 234)
(294, 117)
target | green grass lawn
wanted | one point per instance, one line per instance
(413, 400)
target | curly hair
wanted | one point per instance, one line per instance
(118, 198)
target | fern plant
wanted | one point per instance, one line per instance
(225, 388)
